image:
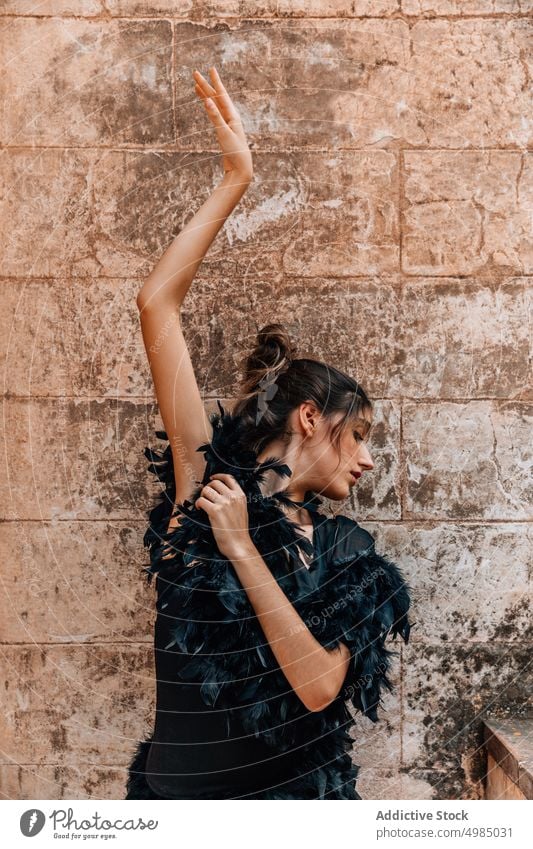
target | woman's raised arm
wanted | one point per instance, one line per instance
(162, 294)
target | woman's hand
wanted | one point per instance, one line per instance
(236, 156)
(225, 504)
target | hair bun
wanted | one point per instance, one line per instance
(275, 347)
(272, 355)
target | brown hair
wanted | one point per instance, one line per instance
(275, 382)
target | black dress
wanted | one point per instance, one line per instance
(228, 724)
(190, 755)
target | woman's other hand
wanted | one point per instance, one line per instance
(225, 504)
(236, 155)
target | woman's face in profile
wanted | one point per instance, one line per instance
(333, 469)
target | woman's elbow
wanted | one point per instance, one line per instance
(319, 699)
(326, 689)
(152, 299)
(317, 707)
(329, 691)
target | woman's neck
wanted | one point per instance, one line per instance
(276, 483)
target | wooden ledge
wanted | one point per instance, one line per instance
(509, 747)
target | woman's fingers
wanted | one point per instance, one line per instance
(222, 487)
(228, 479)
(215, 489)
(225, 101)
(221, 484)
(208, 94)
(218, 490)
(218, 95)
(216, 117)
(236, 157)
(204, 86)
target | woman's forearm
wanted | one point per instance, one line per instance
(314, 673)
(171, 278)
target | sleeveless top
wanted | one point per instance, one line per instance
(191, 755)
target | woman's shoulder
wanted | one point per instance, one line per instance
(353, 544)
(348, 539)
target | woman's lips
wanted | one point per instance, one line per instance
(355, 475)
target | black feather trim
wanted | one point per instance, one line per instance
(362, 600)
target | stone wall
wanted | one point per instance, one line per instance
(389, 224)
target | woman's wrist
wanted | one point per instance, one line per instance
(242, 551)
(236, 180)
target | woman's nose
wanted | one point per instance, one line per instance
(365, 459)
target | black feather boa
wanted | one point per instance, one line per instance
(361, 601)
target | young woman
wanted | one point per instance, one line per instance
(271, 616)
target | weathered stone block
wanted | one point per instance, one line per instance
(468, 460)
(46, 8)
(465, 7)
(306, 214)
(46, 223)
(449, 690)
(469, 581)
(69, 338)
(70, 705)
(317, 84)
(464, 339)
(75, 582)
(467, 212)
(46, 781)
(89, 468)
(94, 83)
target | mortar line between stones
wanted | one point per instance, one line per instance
(148, 148)
(173, 75)
(397, 16)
